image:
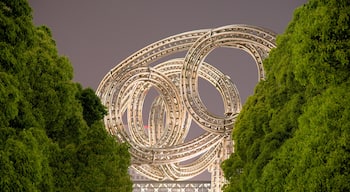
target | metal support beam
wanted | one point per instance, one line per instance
(160, 153)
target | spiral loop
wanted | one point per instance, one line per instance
(160, 152)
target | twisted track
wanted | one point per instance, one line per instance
(159, 153)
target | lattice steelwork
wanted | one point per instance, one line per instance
(171, 186)
(159, 153)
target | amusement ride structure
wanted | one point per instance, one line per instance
(160, 152)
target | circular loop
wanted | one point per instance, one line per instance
(159, 151)
(250, 40)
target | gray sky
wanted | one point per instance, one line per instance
(97, 35)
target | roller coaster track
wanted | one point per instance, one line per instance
(160, 151)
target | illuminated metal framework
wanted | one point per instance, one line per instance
(171, 186)
(160, 152)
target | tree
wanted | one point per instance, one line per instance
(290, 135)
(103, 162)
(93, 110)
(49, 122)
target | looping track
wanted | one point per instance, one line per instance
(159, 152)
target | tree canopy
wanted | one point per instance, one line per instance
(51, 134)
(293, 134)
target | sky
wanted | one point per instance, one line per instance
(97, 35)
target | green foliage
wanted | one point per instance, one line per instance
(293, 133)
(103, 162)
(51, 134)
(93, 110)
(9, 98)
(24, 162)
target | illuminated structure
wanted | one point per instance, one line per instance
(160, 151)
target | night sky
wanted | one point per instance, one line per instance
(97, 35)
